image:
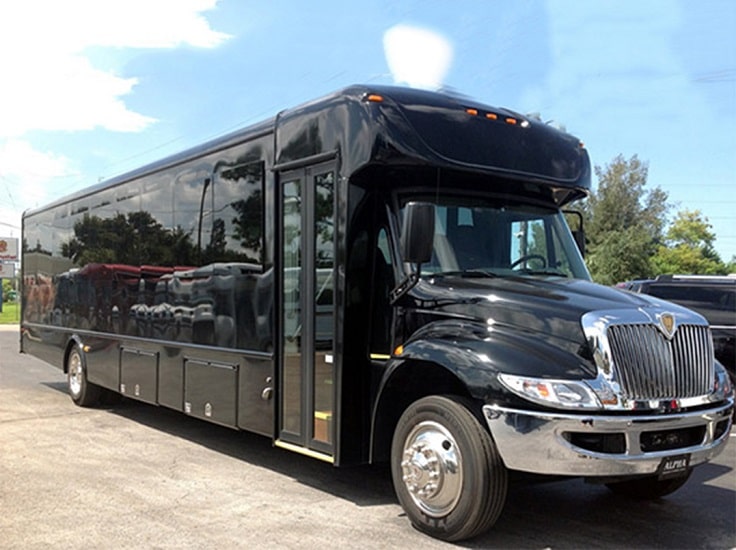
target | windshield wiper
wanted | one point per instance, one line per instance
(465, 273)
(552, 272)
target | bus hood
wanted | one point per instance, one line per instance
(548, 308)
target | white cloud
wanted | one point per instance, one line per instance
(25, 178)
(49, 84)
(418, 57)
(19, 157)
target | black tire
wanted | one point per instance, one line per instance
(82, 391)
(648, 488)
(446, 470)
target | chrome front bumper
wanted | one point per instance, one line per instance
(543, 442)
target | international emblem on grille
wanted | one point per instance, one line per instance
(667, 324)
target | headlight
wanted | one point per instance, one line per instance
(565, 394)
(722, 384)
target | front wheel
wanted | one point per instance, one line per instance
(82, 391)
(648, 488)
(447, 473)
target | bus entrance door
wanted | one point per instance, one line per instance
(306, 367)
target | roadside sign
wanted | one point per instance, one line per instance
(8, 249)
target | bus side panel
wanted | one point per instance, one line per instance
(139, 374)
(256, 396)
(103, 362)
(171, 378)
(211, 390)
(44, 344)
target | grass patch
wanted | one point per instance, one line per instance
(10, 314)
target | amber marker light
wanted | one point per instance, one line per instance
(399, 350)
(375, 98)
(540, 388)
(492, 116)
(510, 120)
(473, 112)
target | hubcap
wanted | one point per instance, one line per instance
(75, 374)
(432, 468)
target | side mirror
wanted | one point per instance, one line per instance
(417, 235)
(578, 233)
(579, 236)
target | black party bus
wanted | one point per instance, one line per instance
(380, 275)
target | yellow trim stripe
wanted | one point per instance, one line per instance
(304, 451)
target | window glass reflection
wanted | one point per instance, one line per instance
(324, 247)
(168, 256)
(292, 316)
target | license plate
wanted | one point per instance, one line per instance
(674, 466)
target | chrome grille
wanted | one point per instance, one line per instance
(649, 366)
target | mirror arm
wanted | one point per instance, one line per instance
(406, 285)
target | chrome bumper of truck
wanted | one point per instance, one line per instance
(592, 445)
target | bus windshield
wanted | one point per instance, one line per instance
(476, 239)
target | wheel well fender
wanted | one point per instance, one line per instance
(74, 341)
(405, 382)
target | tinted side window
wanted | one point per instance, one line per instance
(219, 216)
(713, 297)
(176, 255)
(43, 235)
(238, 214)
(715, 303)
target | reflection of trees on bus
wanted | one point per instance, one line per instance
(225, 226)
(248, 224)
(142, 277)
(138, 239)
(132, 239)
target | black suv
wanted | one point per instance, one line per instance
(714, 297)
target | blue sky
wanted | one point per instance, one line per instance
(91, 89)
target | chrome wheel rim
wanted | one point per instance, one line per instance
(432, 469)
(76, 374)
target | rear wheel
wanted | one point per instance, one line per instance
(648, 488)
(81, 390)
(447, 472)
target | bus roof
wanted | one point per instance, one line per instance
(442, 129)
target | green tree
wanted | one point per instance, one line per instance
(688, 247)
(7, 289)
(731, 266)
(624, 222)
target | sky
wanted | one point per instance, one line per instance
(91, 89)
